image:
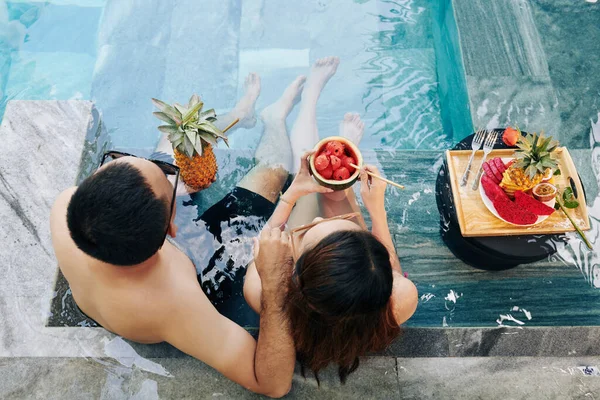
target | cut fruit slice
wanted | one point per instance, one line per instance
(512, 213)
(341, 174)
(532, 205)
(494, 169)
(336, 162)
(488, 172)
(491, 189)
(499, 164)
(321, 162)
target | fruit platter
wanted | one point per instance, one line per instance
(334, 161)
(530, 188)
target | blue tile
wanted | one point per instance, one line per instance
(45, 76)
(125, 79)
(64, 29)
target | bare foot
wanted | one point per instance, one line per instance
(352, 128)
(278, 111)
(244, 109)
(320, 73)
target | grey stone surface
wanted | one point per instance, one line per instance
(103, 378)
(498, 378)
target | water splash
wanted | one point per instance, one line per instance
(573, 251)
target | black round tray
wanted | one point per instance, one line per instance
(489, 253)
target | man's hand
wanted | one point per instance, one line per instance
(372, 191)
(304, 183)
(273, 259)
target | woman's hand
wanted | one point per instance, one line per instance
(273, 258)
(304, 183)
(372, 191)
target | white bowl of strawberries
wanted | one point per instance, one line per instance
(333, 163)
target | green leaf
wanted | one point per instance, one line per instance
(168, 129)
(193, 100)
(208, 138)
(207, 114)
(557, 172)
(168, 110)
(163, 117)
(210, 128)
(569, 199)
(188, 146)
(531, 171)
(191, 113)
(180, 109)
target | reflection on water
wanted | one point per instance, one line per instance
(401, 66)
(573, 251)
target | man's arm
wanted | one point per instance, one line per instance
(195, 327)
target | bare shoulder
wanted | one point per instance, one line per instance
(405, 298)
(59, 208)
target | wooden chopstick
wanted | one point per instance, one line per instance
(379, 177)
(231, 125)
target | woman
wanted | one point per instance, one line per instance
(347, 295)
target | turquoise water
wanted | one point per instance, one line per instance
(121, 53)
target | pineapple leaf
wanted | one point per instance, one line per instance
(188, 146)
(207, 114)
(168, 129)
(193, 100)
(211, 129)
(198, 144)
(180, 109)
(531, 171)
(168, 110)
(208, 138)
(164, 117)
(191, 112)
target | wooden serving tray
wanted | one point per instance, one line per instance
(476, 220)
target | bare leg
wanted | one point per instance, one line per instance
(305, 133)
(274, 154)
(344, 202)
(243, 110)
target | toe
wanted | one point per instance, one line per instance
(348, 117)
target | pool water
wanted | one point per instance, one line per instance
(419, 77)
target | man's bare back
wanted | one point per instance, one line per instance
(131, 302)
(109, 239)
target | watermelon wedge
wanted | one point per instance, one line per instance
(530, 204)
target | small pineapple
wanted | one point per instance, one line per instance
(535, 155)
(193, 135)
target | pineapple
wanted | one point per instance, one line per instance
(193, 134)
(532, 160)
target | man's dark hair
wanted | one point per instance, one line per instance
(115, 216)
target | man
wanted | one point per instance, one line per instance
(109, 239)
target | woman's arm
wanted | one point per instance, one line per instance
(302, 185)
(381, 231)
(372, 192)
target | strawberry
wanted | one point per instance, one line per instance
(336, 148)
(336, 162)
(510, 136)
(341, 174)
(321, 162)
(327, 173)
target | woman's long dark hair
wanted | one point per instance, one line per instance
(339, 302)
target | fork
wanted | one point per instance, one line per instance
(475, 145)
(488, 146)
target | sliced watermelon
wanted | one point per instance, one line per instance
(494, 169)
(490, 173)
(499, 164)
(529, 203)
(513, 213)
